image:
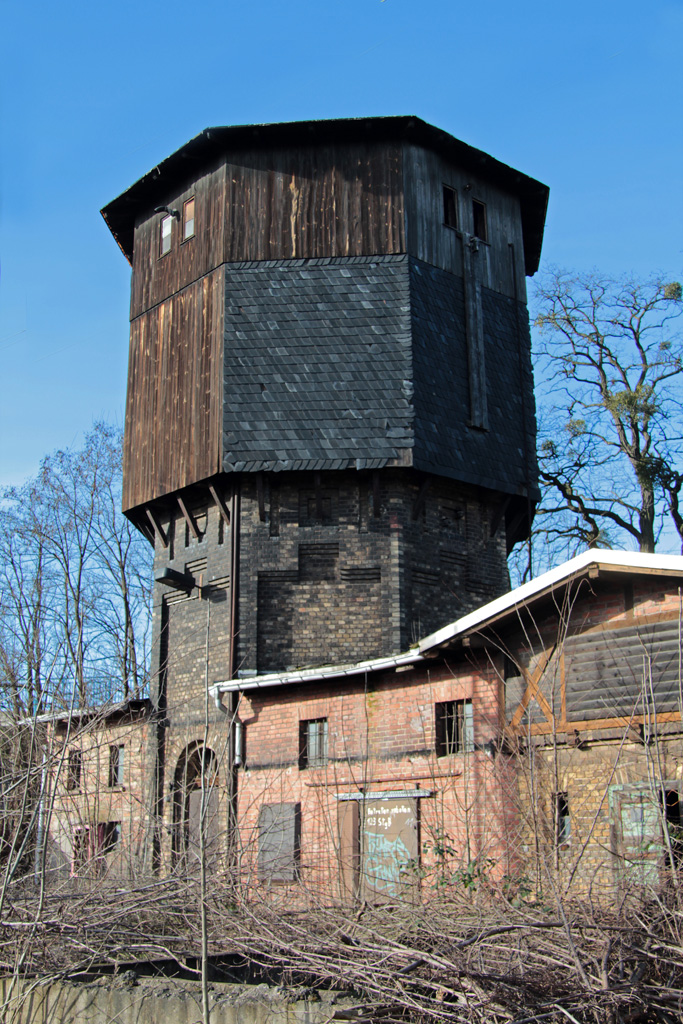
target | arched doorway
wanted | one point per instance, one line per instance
(195, 808)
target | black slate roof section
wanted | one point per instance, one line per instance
(444, 443)
(318, 365)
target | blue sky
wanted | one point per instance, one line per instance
(586, 97)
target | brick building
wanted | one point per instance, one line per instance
(330, 443)
(330, 427)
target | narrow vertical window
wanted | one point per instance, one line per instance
(116, 761)
(454, 723)
(450, 207)
(73, 772)
(166, 225)
(479, 227)
(562, 820)
(188, 219)
(313, 743)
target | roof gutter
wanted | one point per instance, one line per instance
(312, 675)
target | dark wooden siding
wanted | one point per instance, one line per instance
(424, 174)
(312, 202)
(155, 277)
(175, 382)
(276, 204)
(622, 671)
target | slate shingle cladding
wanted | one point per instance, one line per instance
(347, 362)
(317, 364)
(444, 442)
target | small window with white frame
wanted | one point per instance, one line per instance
(166, 234)
(188, 219)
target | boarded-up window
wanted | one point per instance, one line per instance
(279, 842)
(638, 844)
(389, 845)
(454, 727)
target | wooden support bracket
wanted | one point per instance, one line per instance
(220, 504)
(499, 515)
(157, 527)
(189, 519)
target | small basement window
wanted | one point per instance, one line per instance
(313, 743)
(450, 207)
(165, 241)
(188, 219)
(454, 727)
(116, 762)
(479, 226)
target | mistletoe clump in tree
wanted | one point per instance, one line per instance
(611, 411)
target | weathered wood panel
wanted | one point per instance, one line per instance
(424, 175)
(156, 277)
(623, 671)
(313, 202)
(174, 402)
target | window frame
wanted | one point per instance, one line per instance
(484, 214)
(319, 758)
(563, 820)
(74, 770)
(186, 237)
(166, 218)
(454, 727)
(449, 192)
(117, 764)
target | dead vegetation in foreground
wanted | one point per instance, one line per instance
(482, 955)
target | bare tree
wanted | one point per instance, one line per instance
(611, 365)
(75, 582)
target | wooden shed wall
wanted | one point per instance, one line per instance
(425, 173)
(275, 204)
(175, 389)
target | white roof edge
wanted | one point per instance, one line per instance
(602, 559)
(308, 675)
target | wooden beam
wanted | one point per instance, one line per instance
(189, 519)
(156, 526)
(261, 495)
(220, 504)
(418, 504)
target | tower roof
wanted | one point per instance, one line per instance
(121, 213)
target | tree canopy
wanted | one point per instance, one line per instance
(609, 372)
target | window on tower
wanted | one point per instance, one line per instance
(165, 241)
(188, 219)
(450, 207)
(479, 226)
